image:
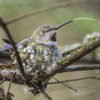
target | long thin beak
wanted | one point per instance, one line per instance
(61, 25)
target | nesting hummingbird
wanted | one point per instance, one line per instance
(40, 49)
(39, 52)
(42, 46)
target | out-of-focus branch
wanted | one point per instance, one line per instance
(4, 55)
(74, 56)
(74, 80)
(2, 23)
(2, 94)
(81, 68)
(61, 5)
(8, 74)
(18, 78)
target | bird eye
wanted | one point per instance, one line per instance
(43, 31)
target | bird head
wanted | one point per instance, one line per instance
(46, 33)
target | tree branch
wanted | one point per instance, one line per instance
(18, 78)
(71, 50)
(61, 5)
(7, 32)
(74, 56)
(62, 66)
(8, 74)
(74, 80)
(80, 68)
(4, 55)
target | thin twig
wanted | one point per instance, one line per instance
(9, 86)
(11, 82)
(65, 84)
(2, 93)
(74, 80)
(43, 92)
(14, 46)
(80, 68)
(61, 5)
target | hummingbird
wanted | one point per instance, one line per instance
(40, 49)
(38, 52)
(44, 34)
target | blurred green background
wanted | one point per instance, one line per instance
(71, 33)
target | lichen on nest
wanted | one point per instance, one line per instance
(37, 57)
